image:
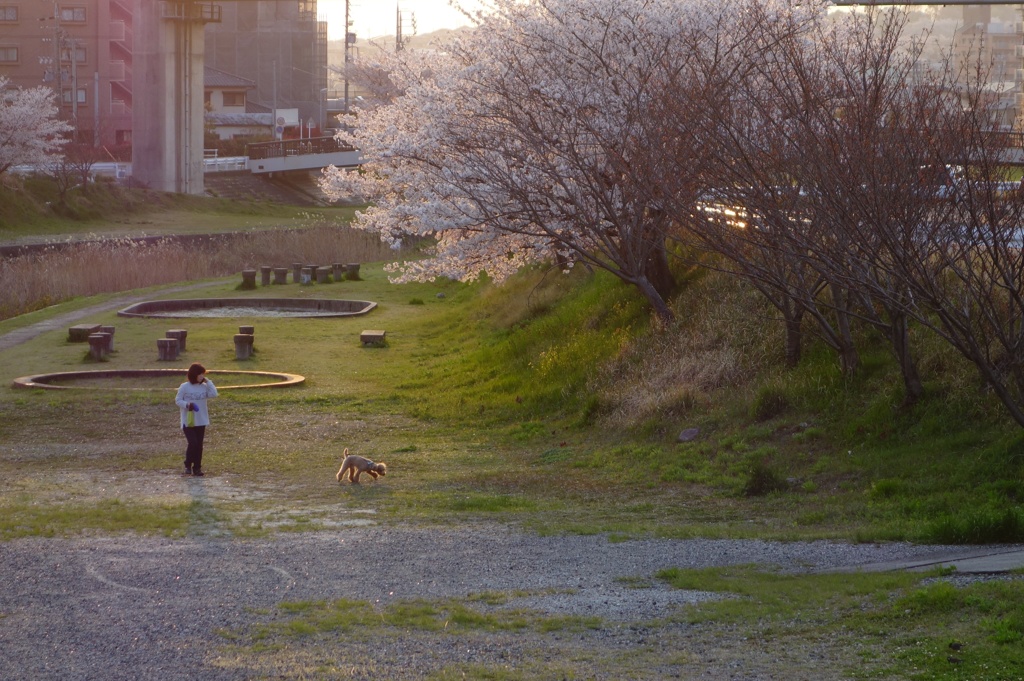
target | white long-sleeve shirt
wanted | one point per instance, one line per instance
(196, 393)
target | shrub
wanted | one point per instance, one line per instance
(978, 526)
(761, 480)
(768, 403)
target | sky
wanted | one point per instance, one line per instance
(372, 18)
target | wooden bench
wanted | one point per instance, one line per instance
(372, 336)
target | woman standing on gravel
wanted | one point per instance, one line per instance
(191, 400)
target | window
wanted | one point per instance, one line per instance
(66, 96)
(65, 55)
(72, 14)
(8, 55)
(8, 13)
(234, 99)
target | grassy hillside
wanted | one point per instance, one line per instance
(550, 402)
(31, 209)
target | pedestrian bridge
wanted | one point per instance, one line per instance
(301, 154)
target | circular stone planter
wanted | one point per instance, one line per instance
(160, 379)
(248, 307)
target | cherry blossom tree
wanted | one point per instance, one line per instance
(524, 141)
(30, 133)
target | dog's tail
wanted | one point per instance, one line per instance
(344, 455)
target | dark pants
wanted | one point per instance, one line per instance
(194, 453)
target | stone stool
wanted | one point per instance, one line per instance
(243, 346)
(338, 271)
(248, 279)
(98, 343)
(306, 275)
(280, 275)
(352, 271)
(181, 335)
(247, 330)
(296, 272)
(168, 349)
(323, 275)
(372, 336)
(265, 275)
(110, 342)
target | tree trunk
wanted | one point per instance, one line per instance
(900, 338)
(849, 360)
(793, 315)
(661, 308)
(657, 271)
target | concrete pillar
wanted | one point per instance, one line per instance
(167, 103)
(265, 275)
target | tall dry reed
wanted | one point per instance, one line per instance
(59, 273)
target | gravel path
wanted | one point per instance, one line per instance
(62, 321)
(149, 608)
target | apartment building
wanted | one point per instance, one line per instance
(988, 53)
(279, 46)
(83, 50)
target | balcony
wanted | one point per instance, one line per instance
(191, 12)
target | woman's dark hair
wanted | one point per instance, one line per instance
(195, 371)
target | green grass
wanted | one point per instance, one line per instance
(490, 403)
(892, 625)
(32, 213)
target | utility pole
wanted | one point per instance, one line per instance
(350, 38)
(399, 44)
(58, 76)
(72, 45)
(399, 38)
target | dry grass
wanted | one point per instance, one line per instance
(35, 281)
(722, 342)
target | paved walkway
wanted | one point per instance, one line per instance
(986, 560)
(62, 321)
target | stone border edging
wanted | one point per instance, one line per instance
(38, 380)
(322, 307)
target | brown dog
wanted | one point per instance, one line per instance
(355, 466)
